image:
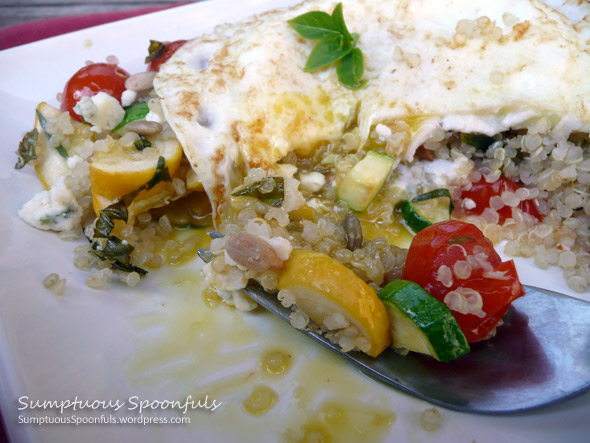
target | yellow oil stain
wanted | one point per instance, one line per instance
(270, 379)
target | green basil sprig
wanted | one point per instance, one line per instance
(335, 43)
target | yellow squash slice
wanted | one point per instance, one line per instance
(123, 169)
(323, 287)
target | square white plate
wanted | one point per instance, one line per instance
(158, 341)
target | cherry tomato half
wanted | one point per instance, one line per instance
(171, 48)
(448, 242)
(89, 81)
(482, 191)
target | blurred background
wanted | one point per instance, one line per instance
(13, 12)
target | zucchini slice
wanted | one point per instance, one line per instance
(426, 209)
(421, 323)
(364, 181)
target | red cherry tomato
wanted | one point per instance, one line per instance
(89, 81)
(448, 242)
(482, 191)
(171, 48)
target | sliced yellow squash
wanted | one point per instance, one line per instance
(323, 287)
(51, 163)
(123, 169)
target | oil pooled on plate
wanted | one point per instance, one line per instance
(272, 383)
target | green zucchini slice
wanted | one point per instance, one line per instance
(421, 323)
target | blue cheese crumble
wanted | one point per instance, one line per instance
(53, 210)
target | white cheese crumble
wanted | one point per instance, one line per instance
(101, 110)
(128, 97)
(441, 172)
(73, 161)
(55, 210)
(153, 117)
(313, 181)
(469, 203)
(384, 132)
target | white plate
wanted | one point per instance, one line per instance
(158, 341)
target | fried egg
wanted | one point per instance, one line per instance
(238, 98)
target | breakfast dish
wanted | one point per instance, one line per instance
(317, 176)
(413, 153)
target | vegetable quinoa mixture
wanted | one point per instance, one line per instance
(375, 231)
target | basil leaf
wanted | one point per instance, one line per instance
(27, 149)
(62, 151)
(116, 249)
(351, 69)
(142, 142)
(328, 50)
(338, 19)
(155, 50)
(314, 25)
(132, 113)
(103, 226)
(161, 174)
(117, 211)
(273, 198)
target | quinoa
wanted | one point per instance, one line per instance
(551, 164)
(552, 169)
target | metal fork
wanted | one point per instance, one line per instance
(539, 357)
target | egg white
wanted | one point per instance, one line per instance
(238, 98)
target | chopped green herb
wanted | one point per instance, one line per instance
(155, 50)
(116, 249)
(132, 113)
(117, 211)
(127, 267)
(480, 141)
(119, 252)
(274, 197)
(62, 151)
(335, 44)
(142, 142)
(27, 149)
(104, 225)
(161, 175)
